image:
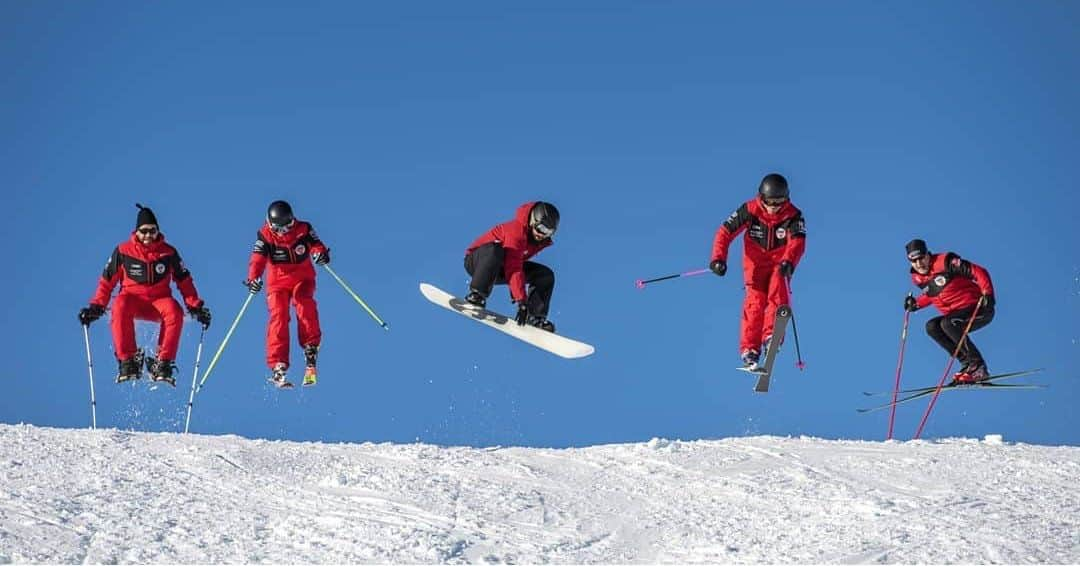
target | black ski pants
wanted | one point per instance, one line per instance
(946, 331)
(485, 265)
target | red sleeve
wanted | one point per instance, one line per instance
(982, 279)
(259, 256)
(514, 262)
(923, 300)
(796, 244)
(184, 282)
(108, 280)
(736, 223)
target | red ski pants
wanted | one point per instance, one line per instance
(302, 296)
(765, 291)
(127, 308)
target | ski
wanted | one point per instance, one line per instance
(933, 387)
(982, 386)
(764, 372)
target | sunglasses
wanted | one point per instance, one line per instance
(914, 258)
(147, 231)
(774, 202)
(543, 230)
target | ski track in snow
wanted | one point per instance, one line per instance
(107, 496)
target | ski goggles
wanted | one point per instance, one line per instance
(280, 229)
(543, 230)
(915, 256)
(774, 201)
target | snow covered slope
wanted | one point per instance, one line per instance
(118, 497)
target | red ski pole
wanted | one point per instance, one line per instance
(899, 365)
(952, 359)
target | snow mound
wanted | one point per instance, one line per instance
(106, 496)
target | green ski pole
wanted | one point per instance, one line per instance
(213, 361)
(358, 299)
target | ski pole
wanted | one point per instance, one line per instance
(357, 298)
(640, 283)
(794, 329)
(90, 369)
(952, 359)
(899, 365)
(213, 361)
(191, 398)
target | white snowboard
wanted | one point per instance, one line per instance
(558, 345)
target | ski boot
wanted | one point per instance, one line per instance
(750, 360)
(970, 373)
(278, 376)
(542, 323)
(162, 371)
(476, 298)
(130, 368)
(311, 353)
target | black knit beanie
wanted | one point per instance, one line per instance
(916, 248)
(146, 216)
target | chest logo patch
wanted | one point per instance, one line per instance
(159, 268)
(940, 280)
(300, 249)
(781, 233)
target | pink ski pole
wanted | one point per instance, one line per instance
(640, 283)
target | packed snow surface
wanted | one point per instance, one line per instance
(109, 496)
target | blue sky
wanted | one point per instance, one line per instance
(402, 131)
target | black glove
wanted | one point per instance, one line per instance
(910, 304)
(718, 266)
(522, 314)
(254, 285)
(987, 301)
(321, 258)
(786, 269)
(201, 314)
(90, 314)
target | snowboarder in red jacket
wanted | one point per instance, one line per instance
(774, 243)
(501, 256)
(290, 246)
(955, 286)
(144, 266)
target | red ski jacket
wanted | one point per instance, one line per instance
(519, 245)
(289, 255)
(952, 284)
(770, 238)
(145, 271)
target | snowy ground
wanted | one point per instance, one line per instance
(120, 497)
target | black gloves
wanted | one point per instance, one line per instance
(987, 301)
(786, 269)
(90, 314)
(910, 304)
(522, 314)
(321, 258)
(201, 314)
(253, 285)
(718, 266)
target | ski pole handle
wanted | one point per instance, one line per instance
(640, 283)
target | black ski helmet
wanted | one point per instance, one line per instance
(279, 214)
(545, 216)
(773, 186)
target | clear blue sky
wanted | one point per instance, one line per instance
(402, 131)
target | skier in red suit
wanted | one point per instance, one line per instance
(774, 243)
(955, 286)
(501, 256)
(144, 266)
(289, 246)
